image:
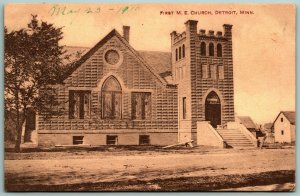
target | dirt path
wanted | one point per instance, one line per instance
(108, 167)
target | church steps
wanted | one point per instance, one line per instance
(235, 138)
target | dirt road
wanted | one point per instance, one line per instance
(146, 167)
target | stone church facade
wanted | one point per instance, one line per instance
(202, 67)
(116, 95)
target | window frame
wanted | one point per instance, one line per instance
(211, 49)
(81, 107)
(143, 106)
(147, 139)
(115, 140)
(79, 140)
(183, 108)
(113, 99)
(179, 53)
(202, 49)
(219, 50)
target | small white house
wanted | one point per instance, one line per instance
(284, 127)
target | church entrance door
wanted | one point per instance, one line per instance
(213, 109)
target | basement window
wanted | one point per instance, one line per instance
(111, 139)
(144, 140)
(77, 140)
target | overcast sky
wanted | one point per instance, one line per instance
(263, 42)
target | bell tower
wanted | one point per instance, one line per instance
(202, 67)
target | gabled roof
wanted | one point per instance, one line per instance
(247, 122)
(159, 61)
(268, 125)
(290, 115)
(113, 33)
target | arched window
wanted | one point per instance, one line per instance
(211, 49)
(111, 99)
(203, 49)
(219, 50)
(176, 54)
(183, 51)
(179, 52)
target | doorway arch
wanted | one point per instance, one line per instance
(213, 109)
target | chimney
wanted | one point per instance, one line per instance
(219, 34)
(126, 30)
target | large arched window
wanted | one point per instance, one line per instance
(219, 50)
(211, 49)
(203, 49)
(183, 51)
(111, 99)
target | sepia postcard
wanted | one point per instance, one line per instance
(149, 97)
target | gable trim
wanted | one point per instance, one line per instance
(93, 50)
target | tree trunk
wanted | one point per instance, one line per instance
(20, 119)
(19, 132)
(29, 124)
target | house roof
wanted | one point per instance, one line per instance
(268, 125)
(247, 122)
(156, 62)
(290, 115)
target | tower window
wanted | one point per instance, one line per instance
(204, 71)
(184, 107)
(211, 49)
(176, 54)
(282, 132)
(213, 72)
(179, 52)
(183, 51)
(221, 72)
(203, 49)
(219, 50)
(281, 119)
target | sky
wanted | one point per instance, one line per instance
(263, 42)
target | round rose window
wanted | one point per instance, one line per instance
(112, 57)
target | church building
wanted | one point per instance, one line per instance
(116, 95)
